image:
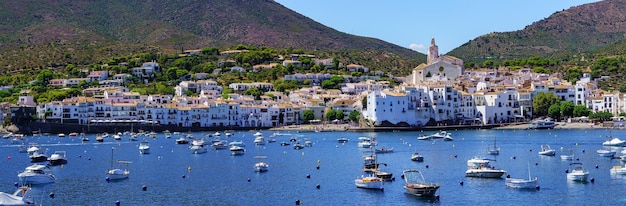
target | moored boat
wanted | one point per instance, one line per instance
(383, 150)
(605, 153)
(220, 145)
(144, 147)
(261, 166)
(369, 182)
(618, 170)
(477, 167)
(417, 157)
(197, 149)
(614, 142)
(237, 150)
(19, 197)
(577, 172)
(118, 173)
(546, 150)
(57, 158)
(36, 174)
(542, 124)
(529, 183)
(342, 140)
(415, 184)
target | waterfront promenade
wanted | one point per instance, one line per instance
(352, 128)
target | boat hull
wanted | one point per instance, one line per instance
(117, 174)
(368, 183)
(484, 173)
(521, 183)
(57, 162)
(421, 190)
(578, 177)
(618, 171)
(36, 179)
(548, 153)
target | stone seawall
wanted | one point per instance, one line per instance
(55, 128)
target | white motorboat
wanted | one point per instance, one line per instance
(448, 137)
(308, 142)
(133, 137)
(261, 166)
(577, 172)
(259, 140)
(217, 134)
(228, 134)
(369, 182)
(522, 183)
(417, 157)
(119, 173)
(605, 153)
(441, 134)
(416, 185)
(298, 146)
(182, 140)
(118, 137)
(61, 135)
(546, 150)
(237, 150)
(424, 137)
(38, 156)
(383, 150)
(19, 197)
(618, 170)
(198, 149)
(614, 142)
(364, 142)
(58, 158)
(258, 134)
(144, 147)
(477, 167)
(342, 140)
(220, 145)
(542, 124)
(36, 174)
(100, 137)
(237, 143)
(199, 142)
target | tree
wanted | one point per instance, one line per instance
(543, 101)
(554, 111)
(354, 115)
(308, 115)
(581, 110)
(567, 108)
(327, 84)
(331, 115)
(256, 92)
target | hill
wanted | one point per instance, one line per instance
(574, 31)
(50, 33)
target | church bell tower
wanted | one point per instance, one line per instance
(433, 52)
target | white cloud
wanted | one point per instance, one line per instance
(417, 47)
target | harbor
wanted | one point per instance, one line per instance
(323, 173)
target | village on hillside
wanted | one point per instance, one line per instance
(437, 93)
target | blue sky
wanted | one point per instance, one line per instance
(412, 23)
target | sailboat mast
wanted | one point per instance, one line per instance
(112, 149)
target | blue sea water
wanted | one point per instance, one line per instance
(174, 176)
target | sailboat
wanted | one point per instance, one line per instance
(261, 166)
(522, 183)
(495, 150)
(118, 173)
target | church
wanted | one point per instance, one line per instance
(437, 68)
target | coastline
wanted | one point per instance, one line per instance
(66, 128)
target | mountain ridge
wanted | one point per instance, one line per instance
(577, 31)
(69, 28)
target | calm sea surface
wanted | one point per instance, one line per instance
(174, 176)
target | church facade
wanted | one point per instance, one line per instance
(437, 68)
